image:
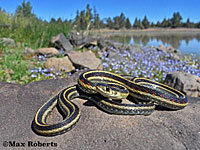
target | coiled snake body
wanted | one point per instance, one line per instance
(100, 87)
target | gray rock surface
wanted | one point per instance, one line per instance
(171, 50)
(184, 82)
(85, 60)
(167, 49)
(48, 51)
(163, 130)
(80, 40)
(60, 64)
(60, 42)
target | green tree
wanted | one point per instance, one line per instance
(102, 24)
(109, 23)
(158, 24)
(198, 25)
(77, 18)
(122, 20)
(25, 10)
(116, 22)
(145, 22)
(128, 23)
(82, 20)
(176, 20)
(137, 24)
(164, 23)
(96, 19)
(53, 20)
(59, 20)
(152, 25)
(189, 24)
(88, 17)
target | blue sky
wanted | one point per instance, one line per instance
(155, 10)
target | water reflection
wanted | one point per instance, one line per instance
(186, 43)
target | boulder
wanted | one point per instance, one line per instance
(60, 64)
(185, 82)
(94, 48)
(171, 50)
(116, 45)
(48, 52)
(164, 129)
(60, 42)
(102, 43)
(105, 44)
(7, 42)
(80, 40)
(85, 60)
(167, 49)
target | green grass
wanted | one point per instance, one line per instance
(30, 31)
(26, 32)
(33, 32)
(13, 66)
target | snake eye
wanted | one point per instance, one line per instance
(107, 89)
(114, 93)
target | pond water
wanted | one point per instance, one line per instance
(186, 43)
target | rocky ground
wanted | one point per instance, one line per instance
(96, 129)
(98, 53)
(164, 129)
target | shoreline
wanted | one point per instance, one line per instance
(170, 36)
(158, 31)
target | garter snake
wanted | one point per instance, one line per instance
(140, 88)
(88, 87)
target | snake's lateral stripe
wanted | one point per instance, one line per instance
(154, 93)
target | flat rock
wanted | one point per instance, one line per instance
(60, 42)
(85, 60)
(185, 82)
(164, 129)
(48, 51)
(61, 64)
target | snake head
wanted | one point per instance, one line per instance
(112, 90)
